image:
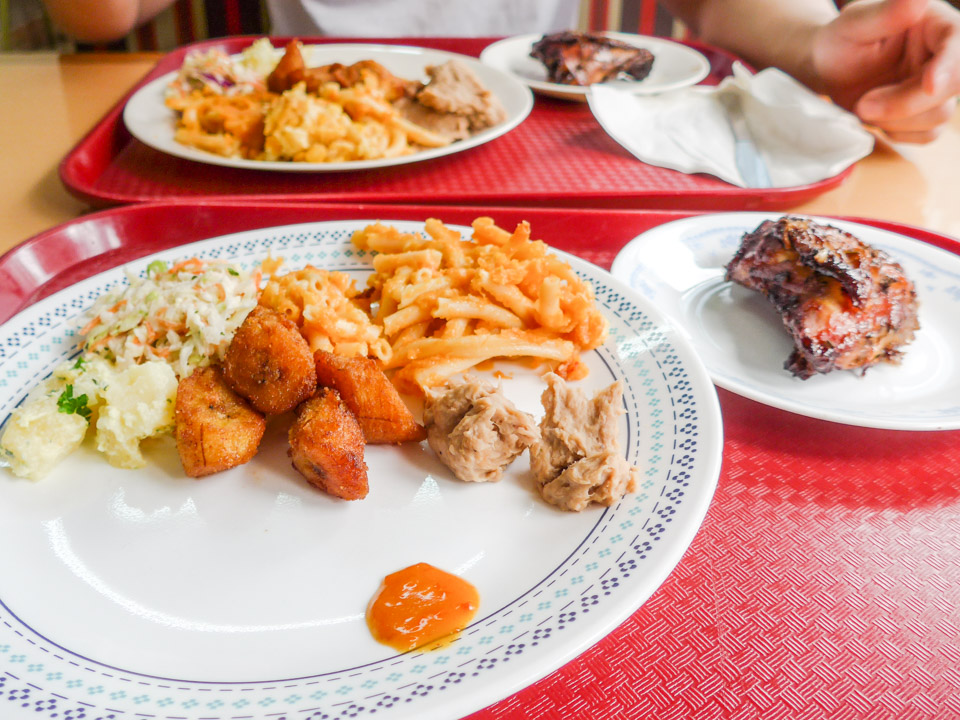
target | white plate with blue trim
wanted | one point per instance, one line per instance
(679, 266)
(151, 122)
(144, 593)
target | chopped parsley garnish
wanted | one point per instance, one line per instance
(71, 405)
(233, 272)
(78, 365)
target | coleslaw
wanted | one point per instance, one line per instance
(184, 314)
(214, 71)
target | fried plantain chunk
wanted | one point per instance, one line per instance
(326, 446)
(371, 397)
(269, 363)
(216, 429)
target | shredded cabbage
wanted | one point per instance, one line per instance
(216, 72)
(184, 315)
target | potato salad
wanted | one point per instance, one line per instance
(137, 342)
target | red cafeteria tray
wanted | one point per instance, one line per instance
(559, 156)
(824, 582)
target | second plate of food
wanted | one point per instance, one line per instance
(149, 119)
(674, 65)
(680, 266)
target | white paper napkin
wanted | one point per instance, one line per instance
(802, 137)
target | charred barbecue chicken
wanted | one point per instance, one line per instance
(574, 58)
(846, 304)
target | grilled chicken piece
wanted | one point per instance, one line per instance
(846, 304)
(326, 446)
(371, 397)
(216, 429)
(269, 363)
(574, 58)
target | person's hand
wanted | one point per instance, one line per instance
(895, 63)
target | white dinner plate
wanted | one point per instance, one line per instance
(145, 593)
(679, 266)
(150, 121)
(674, 66)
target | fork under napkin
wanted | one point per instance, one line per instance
(801, 137)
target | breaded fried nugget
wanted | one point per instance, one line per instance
(269, 363)
(216, 429)
(326, 446)
(371, 397)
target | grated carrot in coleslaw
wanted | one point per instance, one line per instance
(184, 314)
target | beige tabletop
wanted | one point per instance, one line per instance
(51, 101)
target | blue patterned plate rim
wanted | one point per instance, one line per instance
(144, 594)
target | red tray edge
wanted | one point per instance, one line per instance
(78, 252)
(110, 131)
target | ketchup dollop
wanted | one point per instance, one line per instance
(421, 607)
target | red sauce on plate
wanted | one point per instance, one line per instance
(421, 606)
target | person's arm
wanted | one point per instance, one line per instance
(96, 21)
(765, 33)
(896, 63)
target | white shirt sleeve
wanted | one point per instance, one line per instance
(421, 18)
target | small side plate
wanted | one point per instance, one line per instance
(674, 66)
(679, 266)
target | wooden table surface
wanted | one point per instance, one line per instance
(51, 101)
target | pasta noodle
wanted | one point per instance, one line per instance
(447, 304)
(325, 306)
(438, 303)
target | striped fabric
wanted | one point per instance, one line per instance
(190, 20)
(645, 17)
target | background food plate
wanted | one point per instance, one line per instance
(149, 120)
(679, 266)
(674, 66)
(242, 594)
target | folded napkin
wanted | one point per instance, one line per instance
(801, 137)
